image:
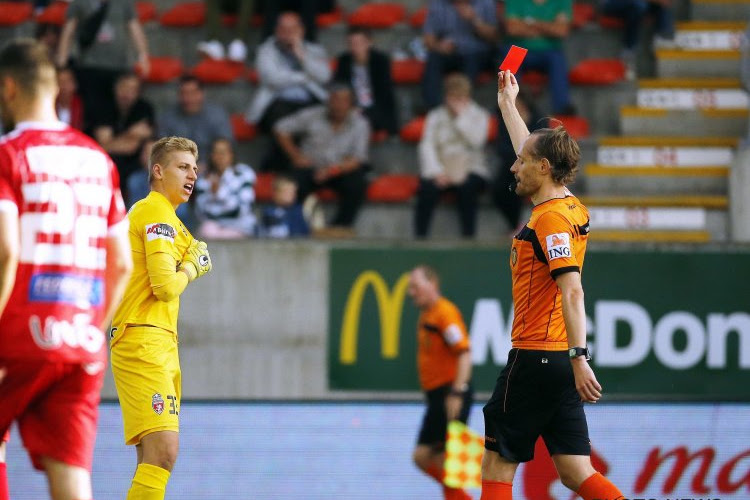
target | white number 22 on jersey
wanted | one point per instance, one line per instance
(75, 219)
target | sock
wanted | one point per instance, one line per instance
(4, 495)
(496, 490)
(599, 487)
(149, 483)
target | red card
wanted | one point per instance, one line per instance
(513, 59)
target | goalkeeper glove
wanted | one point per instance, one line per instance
(196, 262)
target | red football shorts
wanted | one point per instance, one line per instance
(56, 406)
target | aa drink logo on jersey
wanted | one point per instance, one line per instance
(160, 230)
(558, 246)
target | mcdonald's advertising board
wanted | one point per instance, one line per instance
(669, 325)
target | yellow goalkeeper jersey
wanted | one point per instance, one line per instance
(158, 241)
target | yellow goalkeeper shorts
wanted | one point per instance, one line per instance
(146, 370)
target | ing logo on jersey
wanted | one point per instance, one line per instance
(160, 230)
(558, 246)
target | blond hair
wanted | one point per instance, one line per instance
(457, 84)
(167, 145)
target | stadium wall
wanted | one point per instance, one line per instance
(318, 320)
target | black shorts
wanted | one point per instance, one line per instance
(536, 395)
(435, 421)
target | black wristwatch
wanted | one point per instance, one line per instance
(460, 391)
(574, 352)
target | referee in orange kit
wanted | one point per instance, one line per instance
(547, 379)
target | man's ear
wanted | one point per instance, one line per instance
(9, 88)
(157, 171)
(545, 167)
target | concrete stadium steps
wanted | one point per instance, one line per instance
(668, 152)
(720, 10)
(709, 35)
(679, 122)
(655, 180)
(697, 63)
(692, 93)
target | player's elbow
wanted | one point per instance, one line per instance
(164, 294)
(572, 295)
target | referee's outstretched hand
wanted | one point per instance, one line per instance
(586, 384)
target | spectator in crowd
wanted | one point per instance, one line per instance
(284, 217)
(193, 117)
(138, 186)
(123, 132)
(333, 151)
(503, 189)
(633, 13)
(49, 35)
(236, 49)
(368, 71)
(100, 29)
(225, 195)
(69, 104)
(459, 35)
(541, 27)
(307, 10)
(452, 158)
(292, 73)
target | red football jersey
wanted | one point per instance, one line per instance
(66, 192)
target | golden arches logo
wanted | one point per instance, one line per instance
(390, 304)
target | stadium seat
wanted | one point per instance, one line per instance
(378, 15)
(492, 128)
(146, 11)
(252, 76)
(393, 188)
(407, 71)
(597, 72)
(163, 69)
(412, 131)
(217, 71)
(14, 13)
(328, 19)
(326, 194)
(577, 126)
(611, 22)
(264, 187)
(417, 19)
(583, 13)
(243, 131)
(534, 79)
(378, 136)
(184, 15)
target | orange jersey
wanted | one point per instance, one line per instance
(441, 337)
(553, 242)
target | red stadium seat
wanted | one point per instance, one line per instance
(326, 194)
(163, 69)
(611, 22)
(185, 14)
(393, 188)
(218, 71)
(14, 13)
(243, 131)
(328, 19)
(378, 136)
(417, 19)
(583, 13)
(378, 15)
(492, 128)
(264, 187)
(252, 76)
(146, 11)
(598, 72)
(407, 71)
(577, 126)
(412, 131)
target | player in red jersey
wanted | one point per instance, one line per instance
(64, 262)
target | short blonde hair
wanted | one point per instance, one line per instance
(166, 145)
(457, 84)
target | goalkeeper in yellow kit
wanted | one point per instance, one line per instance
(145, 365)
